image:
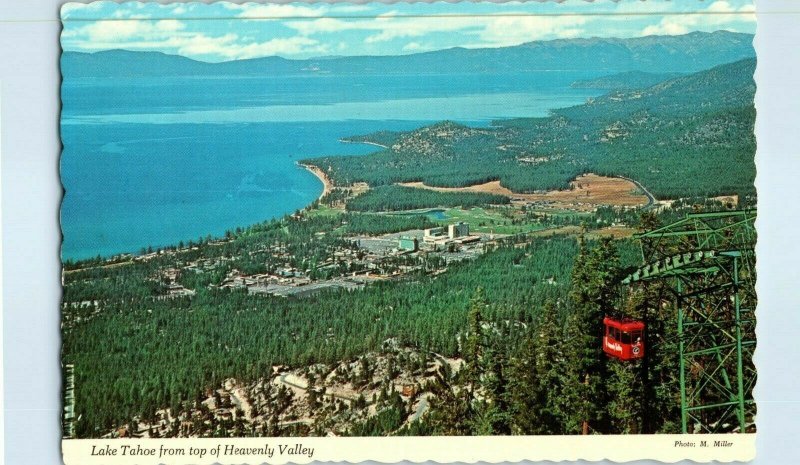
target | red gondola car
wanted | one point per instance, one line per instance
(624, 339)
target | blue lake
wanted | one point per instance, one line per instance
(432, 213)
(151, 162)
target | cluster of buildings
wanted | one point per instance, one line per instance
(286, 276)
(371, 258)
(286, 282)
(457, 233)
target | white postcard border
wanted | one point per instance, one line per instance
(32, 59)
(442, 449)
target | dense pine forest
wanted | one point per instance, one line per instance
(144, 354)
(386, 198)
(523, 317)
(658, 135)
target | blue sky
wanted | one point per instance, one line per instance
(226, 31)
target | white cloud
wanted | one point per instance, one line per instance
(497, 30)
(392, 28)
(386, 26)
(320, 26)
(723, 6)
(640, 7)
(415, 47)
(276, 11)
(512, 30)
(169, 25)
(288, 46)
(349, 8)
(201, 44)
(110, 30)
(68, 9)
(124, 14)
(315, 29)
(171, 35)
(720, 14)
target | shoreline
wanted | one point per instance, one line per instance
(327, 185)
(345, 141)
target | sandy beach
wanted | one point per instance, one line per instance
(327, 185)
(347, 141)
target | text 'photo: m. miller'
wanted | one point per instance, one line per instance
(337, 221)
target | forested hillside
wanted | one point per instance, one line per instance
(385, 198)
(142, 354)
(669, 137)
(628, 80)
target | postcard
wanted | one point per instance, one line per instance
(433, 231)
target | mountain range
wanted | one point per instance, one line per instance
(685, 53)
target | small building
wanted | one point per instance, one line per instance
(175, 289)
(459, 229)
(468, 239)
(406, 243)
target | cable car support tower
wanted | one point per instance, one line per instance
(707, 260)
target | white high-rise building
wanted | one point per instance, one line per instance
(459, 229)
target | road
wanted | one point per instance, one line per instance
(651, 199)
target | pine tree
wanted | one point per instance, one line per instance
(535, 381)
(624, 406)
(474, 344)
(450, 406)
(493, 410)
(482, 401)
(592, 296)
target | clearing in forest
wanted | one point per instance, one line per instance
(587, 191)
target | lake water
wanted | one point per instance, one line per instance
(151, 162)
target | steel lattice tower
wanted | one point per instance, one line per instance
(708, 261)
(68, 413)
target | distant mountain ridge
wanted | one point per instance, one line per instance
(726, 86)
(652, 54)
